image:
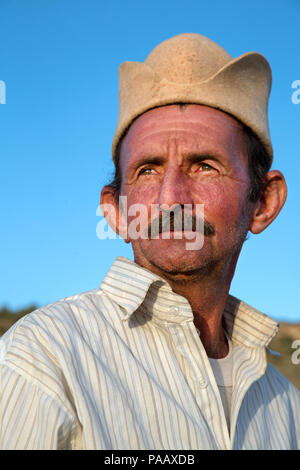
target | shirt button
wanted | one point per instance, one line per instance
(202, 383)
(174, 310)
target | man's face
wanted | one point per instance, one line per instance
(195, 156)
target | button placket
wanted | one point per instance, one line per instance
(206, 391)
(193, 365)
(177, 319)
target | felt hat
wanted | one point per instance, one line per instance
(190, 68)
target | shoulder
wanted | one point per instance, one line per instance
(53, 345)
(69, 312)
(52, 333)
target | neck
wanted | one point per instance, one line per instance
(207, 293)
(207, 300)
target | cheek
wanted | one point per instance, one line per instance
(222, 202)
(142, 195)
(139, 203)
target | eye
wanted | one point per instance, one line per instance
(145, 171)
(203, 166)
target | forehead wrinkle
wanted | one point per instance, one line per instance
(159, 139)
(147, 145)
(170, 129)
(186, 146)
(147, 149)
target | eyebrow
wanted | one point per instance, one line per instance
(195, 157)
(145, 161)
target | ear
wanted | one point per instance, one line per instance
(270, 203)
(113, 213)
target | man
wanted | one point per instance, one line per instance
(161, 356)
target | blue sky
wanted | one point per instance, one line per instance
(59, 60)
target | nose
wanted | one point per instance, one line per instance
(175, 188)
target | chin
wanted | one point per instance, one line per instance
(171, 256)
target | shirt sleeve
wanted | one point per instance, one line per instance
(30, 418)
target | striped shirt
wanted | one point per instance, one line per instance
(122, 367)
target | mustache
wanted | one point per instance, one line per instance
(178, 220)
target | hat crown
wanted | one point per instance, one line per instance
(187, 58)
(190, 68)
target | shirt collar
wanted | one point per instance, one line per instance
(130, 286)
